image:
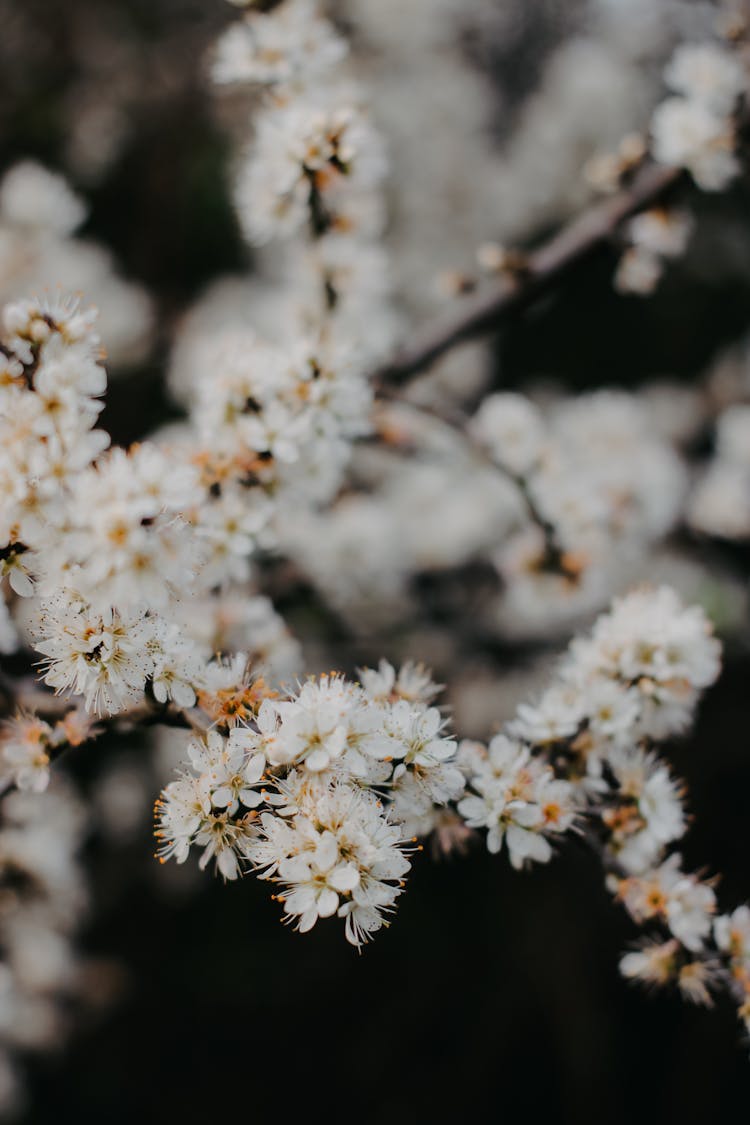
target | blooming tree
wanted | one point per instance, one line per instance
(308, 447)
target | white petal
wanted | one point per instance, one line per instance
(254, 768)
(317, 761)
(227, 863)
(328, 902)
(345, 877)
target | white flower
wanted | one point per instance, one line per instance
(612, 710)
(338, 854)
(413, 682)
(690, 135)
(180, 811)
(657, 819)
(32, 196)
(318, 725)
(176, 665)
(709, 74)
(516, 798)
(661, 232)
(316, 879)
(307, 166)
(653, 963)
(556, 717)
(102, 656)
(25, 745)
(512, 429)
(681, 900)
(291, 43)
(228, 769)
(638, 271)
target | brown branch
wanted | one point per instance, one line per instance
(544, 268)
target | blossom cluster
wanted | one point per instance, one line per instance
(695, 128)
(132, 572)
(116, 550)
(28, 745)
(322, 791)
(563, 497)
(95, 540)
(275, 376)
(591, 500)
(653, 237)
(369, 766)
(583, 745)
(281, 400)
(581, 758)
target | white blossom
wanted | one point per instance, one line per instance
(708, 73)
(689, 134)
(684, 903)
(516, 798)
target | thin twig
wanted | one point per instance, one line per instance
(555, 558)
(544, 268)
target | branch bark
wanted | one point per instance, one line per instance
(545, 266)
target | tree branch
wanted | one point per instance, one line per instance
(544, 268)
(555, 559)
(25, 696)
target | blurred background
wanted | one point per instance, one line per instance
(493, 992)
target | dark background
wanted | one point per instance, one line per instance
(494, 993)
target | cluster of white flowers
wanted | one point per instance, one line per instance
(269, 424)
(565, 500)
(720, 502)
(654, 237)
(320, 791)
(363, 551)
(651, 644)
(682, 901)
(39, 215)
(579, 759)
(633, 681)
(131, 571)
(50, 378)
(696, 127)
(310, 181)
(516, 797)
(120, 553)
(275, 376)
(602, 487)
(28, 745)
(42, 899)
(95, 540)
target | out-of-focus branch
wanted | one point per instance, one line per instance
(555, 558)
(24, 696)
(28, 696)
(543, 268)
